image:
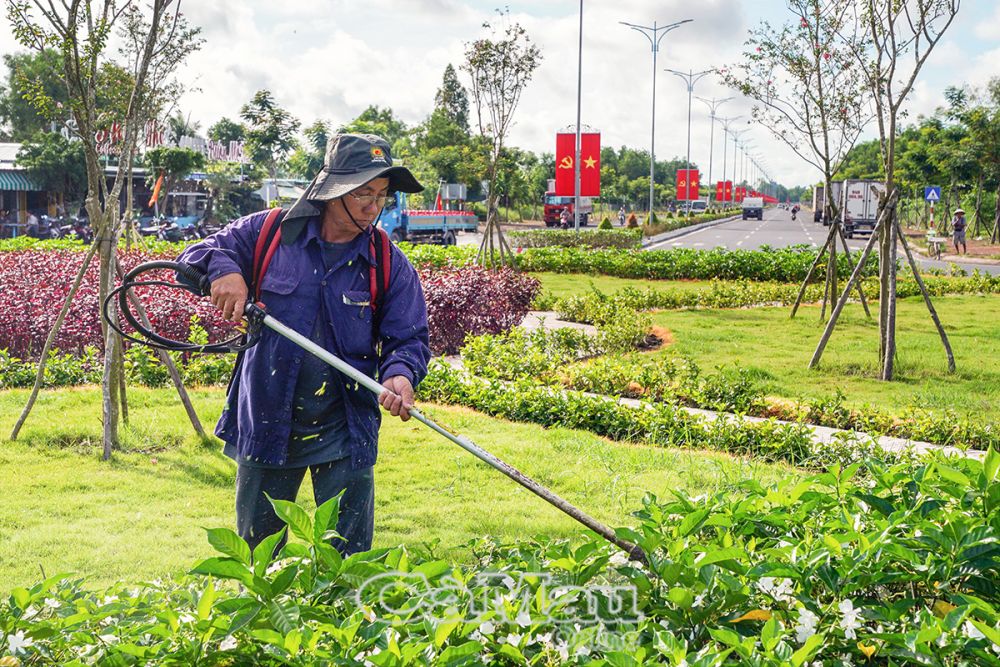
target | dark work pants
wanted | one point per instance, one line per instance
(255, 517)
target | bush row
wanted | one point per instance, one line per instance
(551, 358)
(567, 238)
(660, 424)
(898, 566)
(593, 306)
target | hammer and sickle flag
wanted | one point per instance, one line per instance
(590, 164)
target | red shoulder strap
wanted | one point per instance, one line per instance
(380, 250)
(267, 243)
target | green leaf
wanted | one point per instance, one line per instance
(953, 475)
(284, 579)
(692, 522)
(20, 597)
(807, 651)
(244, 617)
(297, 519)
(269, 637)
(991, 465)
(991, 633)
(229, 543)
(443, 631)
(264, 551)
(284, 615)
(719, 555)
(326, 518)
(726, 636)
(681, 597)
(224, 568)
(458, 654)
(206, 601)
(770, 635)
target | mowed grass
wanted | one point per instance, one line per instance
(778, 349)
(140, 516)
(569, 284)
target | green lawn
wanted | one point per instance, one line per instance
(768, 341)
(567, 284)
(140, 516)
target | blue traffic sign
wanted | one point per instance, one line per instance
(932, 193)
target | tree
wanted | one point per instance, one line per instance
(31, 72)
(56, 164)
(452, 99)
(808, 91)
(500, 66)
(174, 164)
(891, 42)
(270, 131)
(179, 127)
(307, 160)
(155, 39)
(226, 130)
(378, 121)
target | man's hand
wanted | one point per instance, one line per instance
(398, 397)
(229, 294)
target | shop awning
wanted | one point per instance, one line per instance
(17, 180)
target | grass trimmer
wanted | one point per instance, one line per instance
(256, 316)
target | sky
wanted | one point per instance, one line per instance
(330, 59)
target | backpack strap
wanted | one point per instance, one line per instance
(267, 243)
(380, 250)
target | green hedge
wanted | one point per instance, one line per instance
(568, 238)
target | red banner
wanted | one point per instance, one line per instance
(687, 184)
(590, 164)
(739, 194)
(720, 191)
(729, 191)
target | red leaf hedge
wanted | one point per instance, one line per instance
(34, 285)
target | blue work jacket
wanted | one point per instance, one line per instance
(296, 290)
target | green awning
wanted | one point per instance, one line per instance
(17, 180)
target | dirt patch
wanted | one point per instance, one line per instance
(658, 337)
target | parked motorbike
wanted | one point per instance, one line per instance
(45, 228)
(162, 228)
(72, 225)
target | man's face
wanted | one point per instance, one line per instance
(363, 203)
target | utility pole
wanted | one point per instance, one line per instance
(690, 78)
(713, 106)
(654, 35)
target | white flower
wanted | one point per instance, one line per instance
(851, 620)
(513, 639)
(582, 651)
(108, 639)
(30, 612)
(51, 603)
(618, 559)
(109, 599)
(562, 648)
(487, 627)
(187, 618)
(227, 644)
(845, 660)
(806, 626)
(780, 589)
(17, 642)
(971, 631)
(476, 635)
(545, 639)
(698, 600)
(523, 618)
(369, 614)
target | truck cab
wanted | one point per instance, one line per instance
(753, 207)
(424, 226)
(554, 205)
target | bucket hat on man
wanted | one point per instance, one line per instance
(353, 160)
(957, 211)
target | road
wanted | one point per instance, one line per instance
(778, 230)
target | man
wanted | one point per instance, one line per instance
(287, 411)
(958, 230)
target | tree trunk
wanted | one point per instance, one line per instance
(40, 374)
(888, 362)
(110, 382)
(979, 206)
(995, 237)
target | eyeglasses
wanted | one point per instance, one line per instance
(367, 200)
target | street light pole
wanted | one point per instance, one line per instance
(576, 157)
(713, 105)
(736, 134)
(690, 78)
(654, 35)
(725, 130)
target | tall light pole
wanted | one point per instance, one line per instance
(736, 134)
(713, 106)
(654, 35)
(576, 157)
(726, 122)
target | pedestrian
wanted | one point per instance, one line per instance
(286, 410)
(565, 217)
(958, 231)
(621, 216)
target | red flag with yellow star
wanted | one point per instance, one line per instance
(590, 164)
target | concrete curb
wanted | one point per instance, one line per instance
(684, 231)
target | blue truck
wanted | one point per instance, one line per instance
(424, 226)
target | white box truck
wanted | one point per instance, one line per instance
(819, 200)
(859, 205)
